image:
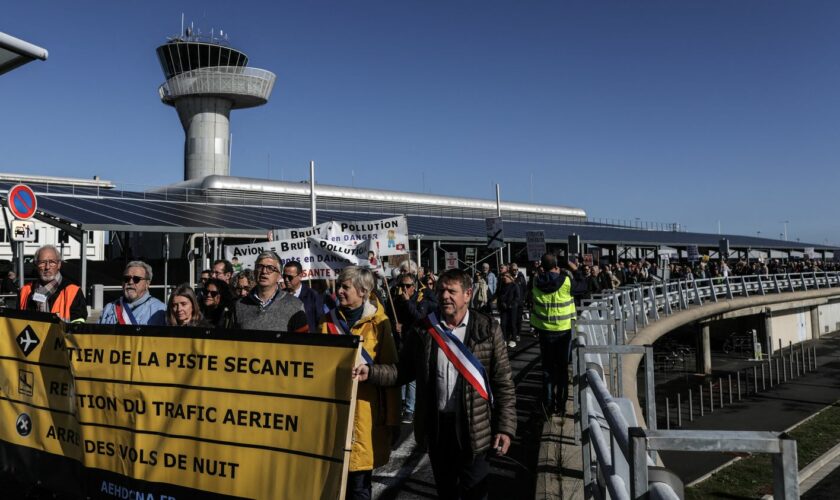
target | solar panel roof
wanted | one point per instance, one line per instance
(91, 209)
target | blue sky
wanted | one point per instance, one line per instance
(673, 111)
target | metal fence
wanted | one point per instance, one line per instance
(220, 80)
(630, 308)
(619, 456)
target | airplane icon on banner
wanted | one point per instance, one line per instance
(27, 340)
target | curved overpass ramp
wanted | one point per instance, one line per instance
(714, 310)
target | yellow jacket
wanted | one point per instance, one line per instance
(377, 408)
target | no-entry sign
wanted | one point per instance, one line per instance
(22, 202)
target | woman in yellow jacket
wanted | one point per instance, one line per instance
(377, 409)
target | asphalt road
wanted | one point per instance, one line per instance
(775, 409)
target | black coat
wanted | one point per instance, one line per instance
(508, 297)
(313, 305)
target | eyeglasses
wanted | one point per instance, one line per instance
(132, 279)
(217, 274)
(289, 277)
(269, 269)
(46, 263)
(405, 285)
(212, 293)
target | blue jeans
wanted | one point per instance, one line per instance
(408, 396)
(555, 351)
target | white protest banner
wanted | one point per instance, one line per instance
(536, 244)
(451, 260)
(391, 233)
(320, 259)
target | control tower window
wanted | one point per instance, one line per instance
(215, 56)
(193, 57)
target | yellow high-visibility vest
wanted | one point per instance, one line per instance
(553, 311)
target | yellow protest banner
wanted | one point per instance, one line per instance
(152, 412)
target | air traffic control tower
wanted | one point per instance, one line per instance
(205, 79)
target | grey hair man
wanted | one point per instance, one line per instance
(136, 306)
(268, 306)
(53, 292)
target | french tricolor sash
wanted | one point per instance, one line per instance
(123, 313)
(337, 326)
(464, 361)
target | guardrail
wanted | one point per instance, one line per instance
(220, 80)
(632, 307)
(619, 457)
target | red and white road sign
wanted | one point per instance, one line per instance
(22, 202)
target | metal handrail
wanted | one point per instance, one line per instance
(605, 325)
(220, 80)
(638, 305)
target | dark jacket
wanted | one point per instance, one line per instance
(593, 286)
(417, 307)
(220, 317)
(508, 297)
(522, 283)
(551, 282)
(604, 281)
(418, 361)
(313, 305)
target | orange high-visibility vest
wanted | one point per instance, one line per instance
(62, 303)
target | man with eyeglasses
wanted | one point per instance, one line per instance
(222, 270)
(53, 292)
(204, 277)
(136, 306)
(313, 303)
(268, 306)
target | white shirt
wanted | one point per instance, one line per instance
(447, 374)
(296, 293)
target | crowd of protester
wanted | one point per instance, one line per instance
(395, 316)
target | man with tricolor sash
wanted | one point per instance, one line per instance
(552, 313)
(466, 399)
(136, 306)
